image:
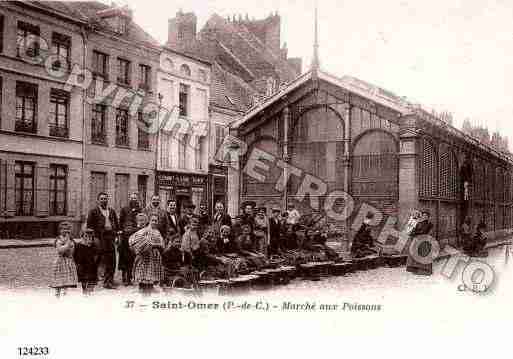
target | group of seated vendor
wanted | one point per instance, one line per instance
(246, 241)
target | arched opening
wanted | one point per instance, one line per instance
(375, 169)
(317, 148)
(263, 185)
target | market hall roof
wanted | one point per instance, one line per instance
(370, 92)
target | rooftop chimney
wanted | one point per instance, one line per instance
(182, 28)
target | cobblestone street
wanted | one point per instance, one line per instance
(28, 269)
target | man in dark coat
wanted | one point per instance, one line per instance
(185, 219)
(128, 225)
(173, 226)
(104, 221)
(275, 229)
(204, 218)
(221, 218)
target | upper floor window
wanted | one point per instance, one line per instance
(122, 129)
(98, 119)
(144, 77)
(58, 189)
(61, 46)
(182, 151)
(101, 64)
(123, 71)
(27, 39)
(143, 138)
(59, 110)
(183, 99)
(220, 134)
(202, 75)
(185, 70)
(199, 153)
(26, 107)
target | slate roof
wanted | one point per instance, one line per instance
(239, 61)
(86, 11)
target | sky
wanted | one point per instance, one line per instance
(449, 55)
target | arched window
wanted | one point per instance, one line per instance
(168, 64)
(428, 170)
(254, 186)
(375, 165)
(185, 70)
(202, 75)
(448, 173)
(317, 145)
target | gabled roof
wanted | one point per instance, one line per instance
(247, 48)
(347, 83)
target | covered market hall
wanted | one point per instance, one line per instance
(343, 134)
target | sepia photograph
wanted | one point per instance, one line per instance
(275, 178)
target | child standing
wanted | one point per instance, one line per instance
(86, 256)
(64, 269)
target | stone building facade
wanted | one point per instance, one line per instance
(41, 129)
(63, 138)
(182, 159)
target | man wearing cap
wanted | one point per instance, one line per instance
(104, 222)
(204, 218)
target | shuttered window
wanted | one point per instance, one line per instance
(429, 170)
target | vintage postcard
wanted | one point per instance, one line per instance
(273, 178)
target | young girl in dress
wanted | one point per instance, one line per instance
(64, 273)
(147, 244)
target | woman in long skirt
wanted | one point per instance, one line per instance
(147, 244)
(64, 273)
(422, 250)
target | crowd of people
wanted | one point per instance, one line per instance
(155, 245)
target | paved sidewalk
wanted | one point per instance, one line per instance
(26, 243)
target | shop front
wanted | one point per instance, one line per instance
(183, 187)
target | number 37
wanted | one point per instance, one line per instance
(22, 351)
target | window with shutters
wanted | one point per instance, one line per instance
(448, 174)
(479, 180)
(428, 170)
